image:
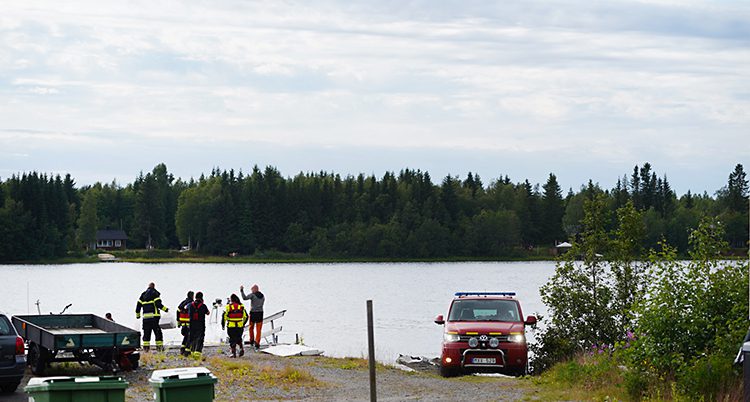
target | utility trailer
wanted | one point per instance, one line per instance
(83, 338)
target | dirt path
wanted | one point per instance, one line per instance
(259, 376)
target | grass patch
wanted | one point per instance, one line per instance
(346, 363)
(248, 376)
(73, 369)
(152, 358)
(291, 375)
(605, 378)
(590, 378)
(350, 363)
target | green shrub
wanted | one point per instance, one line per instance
(687, 324)
(155, 253)
(709, 376)
(590, 301)
(636, 382)
(589, 371)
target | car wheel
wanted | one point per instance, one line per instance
(448, 371)
(9, 387)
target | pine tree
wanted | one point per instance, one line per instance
(149, 213)
(648, 186)
(737, 190)
(635, 189)
(552, 210)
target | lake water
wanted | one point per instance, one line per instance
(325, 303)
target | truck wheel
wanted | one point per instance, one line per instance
(37, 359)
(448, 371)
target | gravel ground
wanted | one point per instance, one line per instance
(259, 376)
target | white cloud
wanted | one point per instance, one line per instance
(509, 76)
(43, 91)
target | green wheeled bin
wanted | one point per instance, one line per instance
(187, 384)
(76, 389)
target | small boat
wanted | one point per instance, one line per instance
(105, 257)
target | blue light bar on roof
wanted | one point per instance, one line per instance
(460, 294)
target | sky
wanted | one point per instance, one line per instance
(583, 89)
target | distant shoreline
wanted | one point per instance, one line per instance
(169, 256)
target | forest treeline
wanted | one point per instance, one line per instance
(404, 215)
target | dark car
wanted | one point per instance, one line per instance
(484, 332)
(12, 356)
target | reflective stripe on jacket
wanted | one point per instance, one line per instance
(150, 303)
(183, 317)
(234, 316)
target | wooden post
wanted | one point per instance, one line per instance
(371, 351)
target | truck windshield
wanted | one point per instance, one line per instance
(484, 310)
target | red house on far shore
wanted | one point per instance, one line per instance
(109, 239)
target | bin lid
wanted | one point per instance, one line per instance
(746, 347)
(62, 383)
(182, 373)
(47, 380)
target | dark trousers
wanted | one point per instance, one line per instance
(185, 331)
(149, 325)
(235, 336)
(197, 333)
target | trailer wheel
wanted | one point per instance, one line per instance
(37, 359)
(134, 360)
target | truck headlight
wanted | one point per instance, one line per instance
(451, 337)
(473, 342)
(517, 338)
(494, 342)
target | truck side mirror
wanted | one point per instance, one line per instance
(530, 320)
(439, 320)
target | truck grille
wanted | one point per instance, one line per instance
(501, 338)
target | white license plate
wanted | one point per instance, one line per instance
(483, 360)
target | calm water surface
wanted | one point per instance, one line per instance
(325, 303)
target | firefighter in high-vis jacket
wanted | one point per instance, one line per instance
(150, 303)
(183, 320)
(234, 318)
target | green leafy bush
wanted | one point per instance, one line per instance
(711, 376)
(688, 319)
(590, 300)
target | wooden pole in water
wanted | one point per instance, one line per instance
(371, 351)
